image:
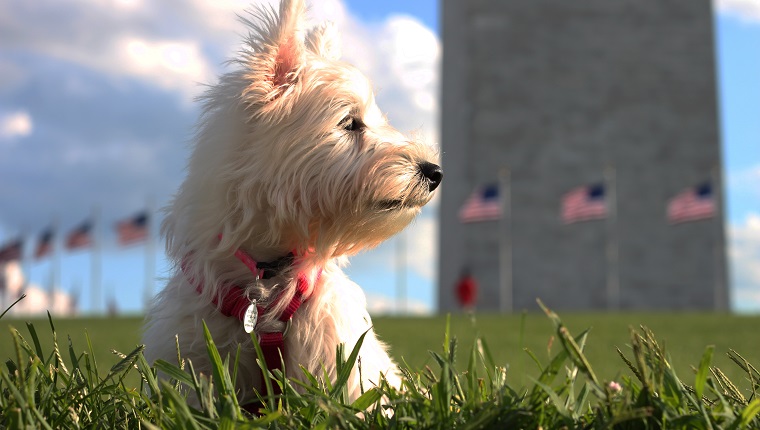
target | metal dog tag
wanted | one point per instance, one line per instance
(250, 317)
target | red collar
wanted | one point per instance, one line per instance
(235, 303)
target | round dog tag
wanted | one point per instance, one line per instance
(250, 317)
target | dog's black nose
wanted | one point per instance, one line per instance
(433, 173)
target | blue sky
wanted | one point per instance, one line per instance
(96, 110)
(738, 70)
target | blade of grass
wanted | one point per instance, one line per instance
(369, 398)
(174, 372)
(446, 336)
(731, 390)
(749, 413)
(220, 371)
(35, 339)
(703, 371)
(93, 370)
(487, 358)
(264, 372)
(23, 296)
(348, 365)
(180, 408)
(558, 403)
(574, 351)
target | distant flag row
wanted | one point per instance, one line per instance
(588, 202)
(129, 231)
(77, 238)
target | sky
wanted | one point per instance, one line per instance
(97, 115)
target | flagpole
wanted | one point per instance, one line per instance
(96, 259)
(505, 243)
(55, 264)
(24, 261)
(612, 251)
(3, 280)
(719, 296)
(401, 273)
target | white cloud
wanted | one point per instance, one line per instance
(168, 63)
(328, 10)
(413, 51)
(123, 38)
(118, 65)
(748, 10)
(744, 253)
(128, 5)
(746, 301)
(178, 46)
(215, 17)
(383, 305)
(422, 246)
(37, 300)
(173, 64)
(17, 124)
(401, 56)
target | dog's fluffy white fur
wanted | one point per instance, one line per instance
(291, 153)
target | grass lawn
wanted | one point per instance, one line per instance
(684, 335)
(121, 334)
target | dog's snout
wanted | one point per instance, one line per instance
(433, 173)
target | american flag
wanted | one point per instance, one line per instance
(483, 204)
(695, 203)
(133, 230)
(44, 244)
(80, 237)
(11, 251)
(583, 204)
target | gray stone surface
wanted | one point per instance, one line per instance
(556, 91)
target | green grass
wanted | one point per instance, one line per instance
(683, 335)
(522, 371)
(120, 334)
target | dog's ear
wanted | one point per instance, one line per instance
(289, 47)
(323, 41)
(276, 56)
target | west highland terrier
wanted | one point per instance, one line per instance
(294, 168)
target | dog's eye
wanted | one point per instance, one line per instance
(351, 123)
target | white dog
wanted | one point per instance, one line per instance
(294, 168)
